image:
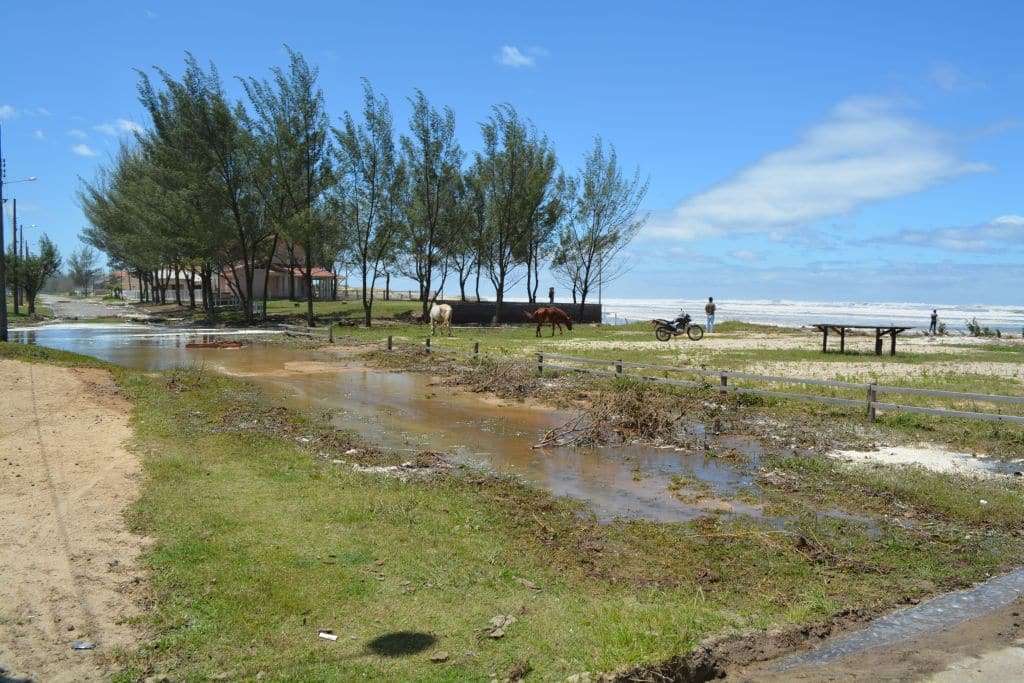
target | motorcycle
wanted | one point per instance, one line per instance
(666, 329)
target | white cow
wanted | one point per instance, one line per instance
(441, 314)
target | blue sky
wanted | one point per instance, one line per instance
(815, 150)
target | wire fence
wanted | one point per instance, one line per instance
(840, 393)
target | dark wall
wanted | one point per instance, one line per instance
(482, 313)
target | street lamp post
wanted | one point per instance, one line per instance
(3, 252)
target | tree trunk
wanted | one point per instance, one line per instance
(583, 302)
(266, 275)
(499, 298)
(191, 281)
(308, 277)
(478, 282)
(367, 300)
(531, 289)
(387, 286)
(177, 286)
(291, 283)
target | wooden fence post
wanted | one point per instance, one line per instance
(476, 349)
(428, 345)
(330, 333)
(540, 363)
(389, 343)
(723, 382)
(872, 397)
(618, 367)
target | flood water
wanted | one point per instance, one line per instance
(409, 411)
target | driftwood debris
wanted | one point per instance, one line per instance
(225, 344)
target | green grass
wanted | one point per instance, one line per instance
(40, 354)
(22, 314)
(283, 310)
(284, 543)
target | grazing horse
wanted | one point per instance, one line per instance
(441, 314)
(549, 314)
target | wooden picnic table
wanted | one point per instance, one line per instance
(880, 331)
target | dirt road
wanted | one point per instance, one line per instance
(68, 567)
(84, 309)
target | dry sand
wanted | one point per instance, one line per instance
(798, 339)
(68, 566)
(866, 371)
(930, 457)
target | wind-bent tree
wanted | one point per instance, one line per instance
(290, 120)
(604, 218)
(35, 269)
(368, 196)
(516, 172)
(82, 267)
(193, 115)
(464, 218)
(432, 159)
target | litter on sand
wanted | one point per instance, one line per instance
(327, 635)
(83, 645)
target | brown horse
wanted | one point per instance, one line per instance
(552, 315)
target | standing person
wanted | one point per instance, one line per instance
(709, 309)
(934, 327)
(551, 295)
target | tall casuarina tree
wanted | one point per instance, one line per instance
(516, 172)
(432, 159)
(290, 119)
(604, 217)
(368, 195)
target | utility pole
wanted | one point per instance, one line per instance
(3, 253)
(14, 259)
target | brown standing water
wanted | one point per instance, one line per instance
(406, 411)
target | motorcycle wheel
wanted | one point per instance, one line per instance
(663, 333)
(695, 332)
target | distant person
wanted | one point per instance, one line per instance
(933, 328)
(551, 295)
(709, 309)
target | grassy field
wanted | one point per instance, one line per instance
(283, 310)
(260, 540)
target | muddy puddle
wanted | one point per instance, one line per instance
(407, 411)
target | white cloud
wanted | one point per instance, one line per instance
(43, 111)
(150, 14)
(950, 78)
(78, 133)
(38, 134)
(83, 150)
(118, 127)
(7, 112)
(745, 255)
(865, 151)
(512, 56)
(999, 234)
